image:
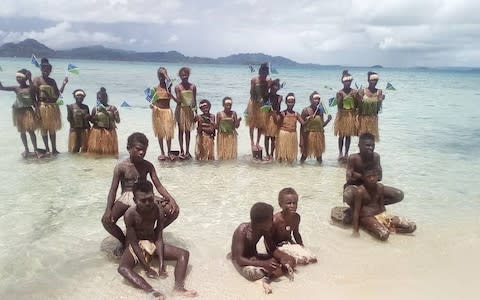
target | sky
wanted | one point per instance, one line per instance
(403, 33)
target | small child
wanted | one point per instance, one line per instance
(287, 140)
(369, 209)
(186, 94)
(205, 146)
(78, 115)
(103, 136)
(145, 239)
(24, 108)
(227, 123)
(127, 173)
(312, 137)
(285, 224)
(271, 127)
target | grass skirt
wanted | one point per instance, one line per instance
(227, 146)
(205, 147)
(103, 141)
(302, 255)
(184, 116)
(271, 128)
(315, 142)
(163, 123)
(287, 146)
(24, 119)
(255, 118)
(72, 139)
(345, 123)
(368, 123)
(50, 117)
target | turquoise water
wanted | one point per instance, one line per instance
(51, 209)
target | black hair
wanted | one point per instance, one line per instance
(205, 101)
(261, 212)
(370, 168)
(225, 99)
(264, 68)
(102, 93)
(137, 137)
(184, 69)
(45, 63)
(366, 136)
(23, 71)
(345, 74)
(312, 94)
(286, 191)
(142, 186)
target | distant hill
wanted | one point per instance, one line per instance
(30, 46)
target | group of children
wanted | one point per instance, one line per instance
(37, 107)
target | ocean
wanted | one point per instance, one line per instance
(51, 208)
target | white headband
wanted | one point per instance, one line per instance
(373, 77)
(203, 104)
(78, 93)
(18, 74)
(228, 101)
(290, 98)
(347, 78)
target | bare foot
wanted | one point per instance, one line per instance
(25, 154)
(161, 157)
(118, 252)
(290, 272)
(340, 157)
(55, 152)
(157, 295)
(181, 291)
(267, 288)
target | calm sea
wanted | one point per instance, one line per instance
(51, 209)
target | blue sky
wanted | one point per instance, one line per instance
(392, 33)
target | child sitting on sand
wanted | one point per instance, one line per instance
(248, 262)
(369, 209)
(205, 146)
(285, 224)
(146, 240)
(127, 173)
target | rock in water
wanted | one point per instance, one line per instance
(338, 214)
(110, 245)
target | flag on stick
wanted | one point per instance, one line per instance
(34, 61)
(73, 69)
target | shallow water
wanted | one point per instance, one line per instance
(51, 209)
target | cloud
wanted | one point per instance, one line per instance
(62, 35)
(352, 32)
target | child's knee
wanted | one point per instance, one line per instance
(122, 270)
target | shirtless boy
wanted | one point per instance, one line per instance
(127, 173)
(369, 209)
(145, 239)
(248, 262)
(285, 224)
(356, 164)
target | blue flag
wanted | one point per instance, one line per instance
(390, 87)
(73, 69)
(150, 94)
(35, 61)
(332, 101)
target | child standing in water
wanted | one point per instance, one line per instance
(345, 120)
(227, 123)
(24, 109)
(47, 94)
(259, 86)
(370, 102)
(162, 116)
(271, 127)
(287, 140)
(127, 173)
(312, 139)
(103, 136)
(78, 114)
(285, 224)
(186, 93)
(205, 146)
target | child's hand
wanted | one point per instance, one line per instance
(107, 217)
(29, 75)
(151, 273)
(329, 117)
(65, 81)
